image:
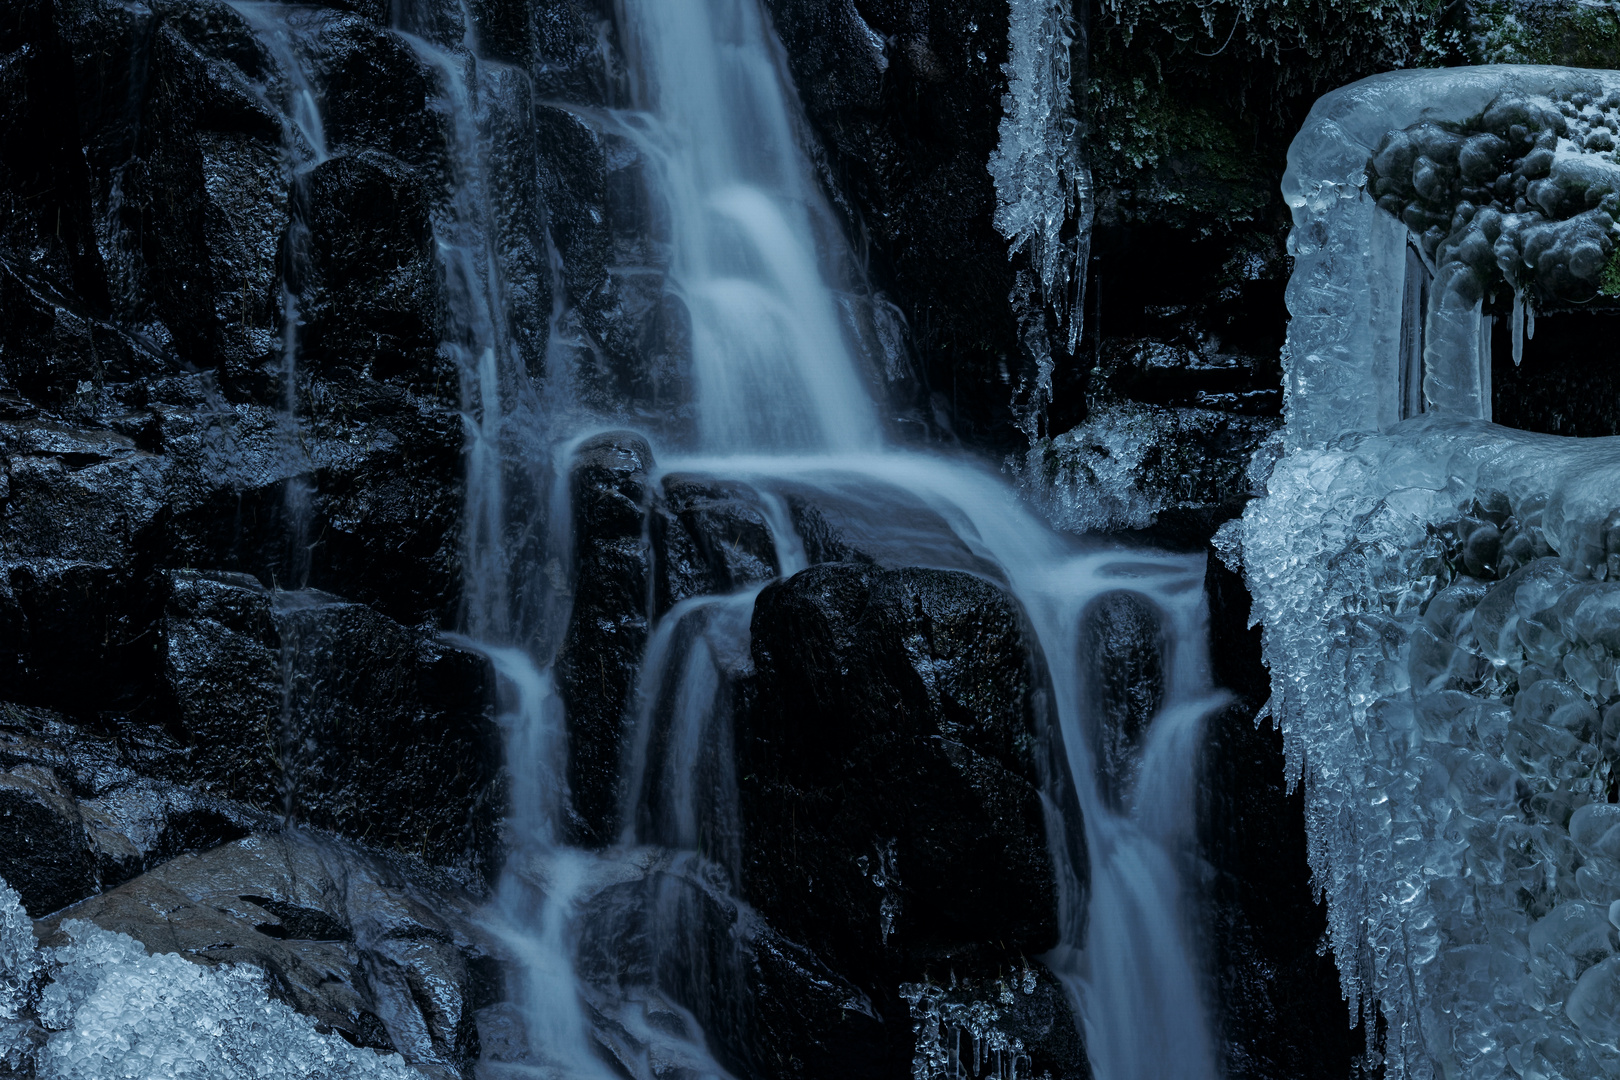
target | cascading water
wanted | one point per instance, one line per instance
(304, 147)
(781, 408)
(745, 217)
(781, 403)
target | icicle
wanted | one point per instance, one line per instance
(1529, 321)
(1040, 175)
(1518, 327)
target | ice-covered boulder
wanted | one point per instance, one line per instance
(1442, 622)
(1440, 595)
(1416, 195)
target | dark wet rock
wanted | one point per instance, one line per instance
(877, 523)
(44, 852)
(890, 768)
(1122, 656)
(387, 500)
(223, 667)
(1277, 999)
(810, 1020)
(709, 537)
(381, 951)
(77, 494)
(324, 709)
(60, 620)
(767, 1006)
(379, 95)
(906, 100)
(371, 302)
(46, 221)
(382, 498)
(396, 741)
(607, 631)
(93, 788)
(81, 524)
(560, 41)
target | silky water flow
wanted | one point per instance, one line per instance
(781, 400)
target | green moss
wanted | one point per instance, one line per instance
(1175, 161)
(1193, 102)
(1609, 281)
(1568, 33)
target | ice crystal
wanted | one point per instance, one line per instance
(109, 1011)
(1442, 623)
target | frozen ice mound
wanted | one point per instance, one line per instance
(1440, 596)
(109, 1011)
(1416, 197)
(1441, 607)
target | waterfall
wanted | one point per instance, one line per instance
(303, 148)
(782, 405)
(718, 122)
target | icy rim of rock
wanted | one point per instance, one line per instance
(1346, 292)
(101, 1007)
(1441, 607)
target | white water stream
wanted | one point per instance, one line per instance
(781, 399)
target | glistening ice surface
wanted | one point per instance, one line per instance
(109, 1011)
(1441, 603)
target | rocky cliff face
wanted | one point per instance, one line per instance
(235, 425)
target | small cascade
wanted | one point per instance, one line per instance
(304, 147)
(683, 723)
(718, 124)
(476, 336)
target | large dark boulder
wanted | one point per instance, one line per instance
(891, 766)
(331, 713)
(607, 631)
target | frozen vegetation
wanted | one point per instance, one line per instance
(1441, 596)
(101, 1008)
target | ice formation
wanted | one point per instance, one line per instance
(1441, 603)
(1042, 182)
(1381, 331)
(104, 1009)
(959, 1035)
